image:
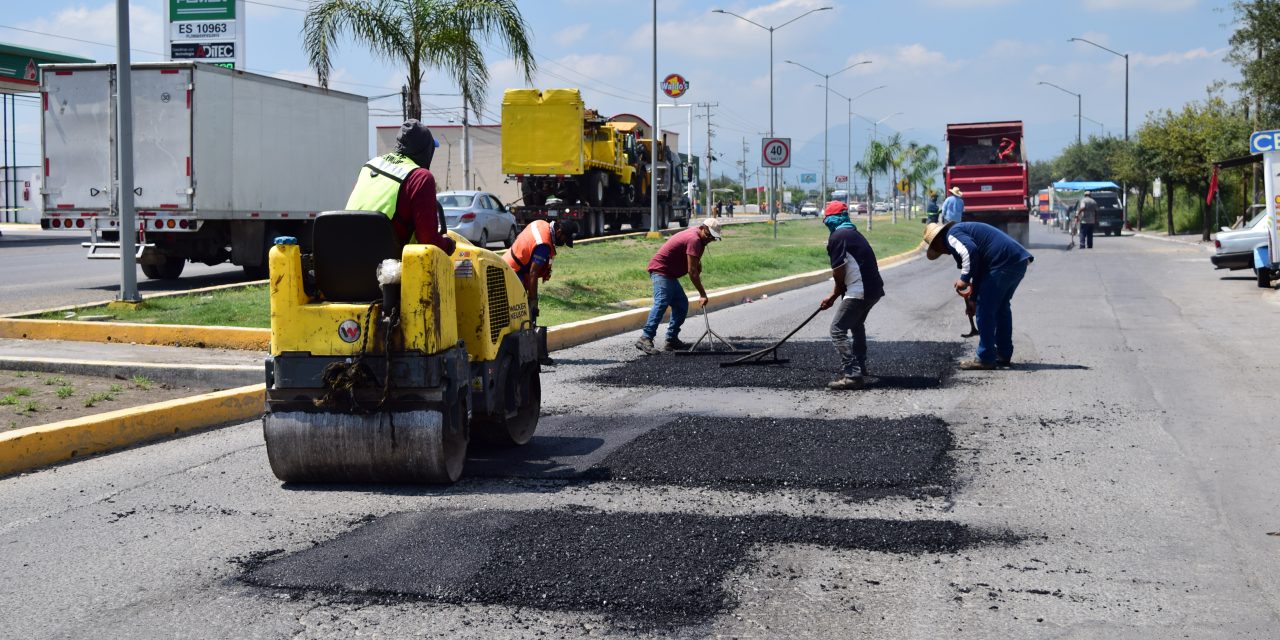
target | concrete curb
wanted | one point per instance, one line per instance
(210, 375)
(150, 296)
(137, 333)
(1176, 240)
(33, 447)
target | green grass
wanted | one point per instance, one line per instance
(8, 400)
(22, 391)
(66, 391)
(588, 280)
(104, 396)
(142, 382)
(55, 380)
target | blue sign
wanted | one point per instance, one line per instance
(808, 178)
(1264, 142)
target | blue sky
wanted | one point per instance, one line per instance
(942, 61)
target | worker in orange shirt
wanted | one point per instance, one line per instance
(531, 256)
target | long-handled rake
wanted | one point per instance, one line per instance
(758, 357)
(710, 337)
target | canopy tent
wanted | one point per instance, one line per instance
(1063, 185)
(20, 67)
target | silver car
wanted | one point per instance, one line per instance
(478, 216)
(1233, 248)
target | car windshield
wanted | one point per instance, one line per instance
(454, 201)
(1256, 219)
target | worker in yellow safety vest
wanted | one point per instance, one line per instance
(530, 257)
(401, 186)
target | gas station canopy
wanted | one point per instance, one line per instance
(20, 67)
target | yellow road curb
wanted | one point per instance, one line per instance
(137, 333)
(32, 447)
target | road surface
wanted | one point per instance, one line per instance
(1121, 482)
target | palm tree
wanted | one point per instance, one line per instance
(922, 164)
(874, 162)
(897, 160)
(421, 35)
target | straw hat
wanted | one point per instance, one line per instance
(932, 232)
(955, 191)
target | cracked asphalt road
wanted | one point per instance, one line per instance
(1129, 461)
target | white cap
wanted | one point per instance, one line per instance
(713, 226)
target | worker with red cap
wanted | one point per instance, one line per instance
(858, 287)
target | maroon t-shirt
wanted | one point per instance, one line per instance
(672, 260)
(418, 211)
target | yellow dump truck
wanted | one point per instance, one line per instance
(592, 169)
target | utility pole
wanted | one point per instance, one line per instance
(744, 172)
(124, 162)
(707, 106)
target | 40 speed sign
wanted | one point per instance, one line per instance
(776, 152)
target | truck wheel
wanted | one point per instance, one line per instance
(169, 268)
(597, 187)
(1264, 278)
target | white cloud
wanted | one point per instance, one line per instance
(570, 35)
(969, 4)
(146, 36)
(1176, 57)
(1167, 6)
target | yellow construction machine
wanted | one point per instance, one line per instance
(387, 360)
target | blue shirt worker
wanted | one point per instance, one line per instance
(991, 266)
(858, 287)
(953, 206)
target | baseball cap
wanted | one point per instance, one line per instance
(713, 226)
(835, 208)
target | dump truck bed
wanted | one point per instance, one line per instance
(534, 123)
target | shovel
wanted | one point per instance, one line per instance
(970, 308)
(758, 357)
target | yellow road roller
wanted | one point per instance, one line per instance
(386, 361)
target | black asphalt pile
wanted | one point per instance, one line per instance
(638, 569)
(866, 457)
(812, 364)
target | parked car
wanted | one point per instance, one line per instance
(1233, 248)
(862, 208)
(881, 207)
(809, 209)
(478, 216)
(1110, 212)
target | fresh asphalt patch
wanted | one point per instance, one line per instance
(646, 570)
(865, 457)
(812, 364)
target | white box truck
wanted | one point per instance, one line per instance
(224, 161)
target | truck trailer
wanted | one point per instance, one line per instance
(986, 161)
(224, 161)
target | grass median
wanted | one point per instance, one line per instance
(589, 280)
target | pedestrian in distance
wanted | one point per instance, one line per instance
(680, 255)
(858, 287)
(531, 257)
(953, 206)
(401, 186)
(1086, 218)
(719, 208)
(992, 264)
(931, 208)
(729, 208)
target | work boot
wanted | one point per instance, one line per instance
(546, 361)
(676, 344)
(846, 383)
(977, 365)
(645, 344)
(1004, 362)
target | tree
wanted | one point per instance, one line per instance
(922, 165)
(421, 35)
(1134, 165)
(1090, 160)
(896, 159)
(1040, 175)
(876, 161)
(1255, 50)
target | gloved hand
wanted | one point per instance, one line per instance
(450, 244)
(964, 289)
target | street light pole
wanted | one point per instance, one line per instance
(1126, 112)
(1079, 108)
(773, 173)
(826, 100)
(849, 174)
(1101, 131)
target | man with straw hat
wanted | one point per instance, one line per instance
(953, 206)
(991, 266)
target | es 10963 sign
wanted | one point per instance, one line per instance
(202, 30)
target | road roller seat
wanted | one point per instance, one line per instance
(347, 247)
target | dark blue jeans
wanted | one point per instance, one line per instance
(1086, 235)
(667, 292)
(995, 314)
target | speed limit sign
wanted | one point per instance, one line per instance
(776, 152)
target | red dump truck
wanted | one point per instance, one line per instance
(985, 159)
